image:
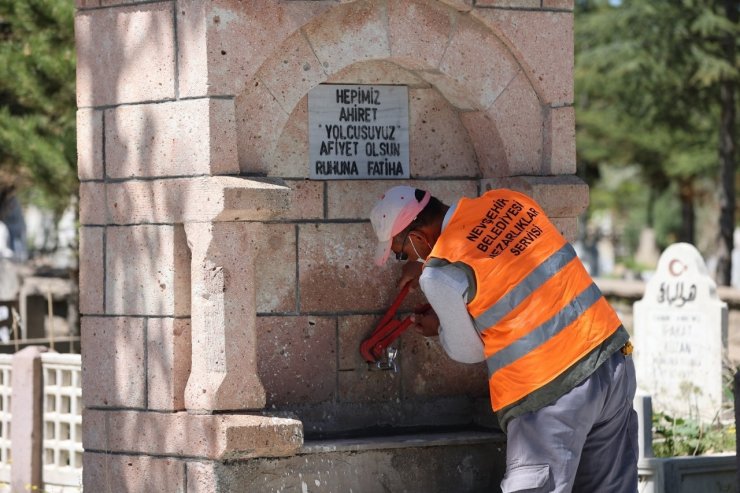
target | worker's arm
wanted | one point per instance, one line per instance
(445, 288)
(410, 273)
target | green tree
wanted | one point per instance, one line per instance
(727, 78)
(654, 88)
(37, 96)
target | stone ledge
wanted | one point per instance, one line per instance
(202, 199)
(559, 195)
(219, 437)
(256, 199)
(401, 441)
(442, 469)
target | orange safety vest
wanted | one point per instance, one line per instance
(537, 309)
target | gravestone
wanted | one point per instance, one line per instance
(735, 274)
(681, 337)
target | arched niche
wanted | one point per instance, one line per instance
(427, 45)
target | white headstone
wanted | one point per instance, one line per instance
(5, 251)
(735, 273)
(681, 336)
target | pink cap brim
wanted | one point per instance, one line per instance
(401, 218)
(382, 252)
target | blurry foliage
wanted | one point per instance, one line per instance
(667, 219)
(647, 78)
(37, 102)
(678, 437)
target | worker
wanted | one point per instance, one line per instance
(506, 288)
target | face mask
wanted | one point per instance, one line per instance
(418, 257)
(403, 256)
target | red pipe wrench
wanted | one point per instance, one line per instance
(375, 347)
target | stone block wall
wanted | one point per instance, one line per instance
(216, 279)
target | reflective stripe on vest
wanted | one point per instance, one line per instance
(544, 332)
(535, 306)
(534, 280)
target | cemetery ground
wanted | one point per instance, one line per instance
(675, 436)
(681, 435)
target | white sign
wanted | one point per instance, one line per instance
(681, 337)
(358, 132)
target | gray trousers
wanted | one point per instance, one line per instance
(585, 442)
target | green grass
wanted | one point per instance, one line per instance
(680, 437)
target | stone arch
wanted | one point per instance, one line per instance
(439, 144)
(463, 58)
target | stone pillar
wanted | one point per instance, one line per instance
(223, 375)
(643, 405)
(549, 191)
(193, 122)
(26, 408)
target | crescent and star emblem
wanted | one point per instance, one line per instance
(676, 267)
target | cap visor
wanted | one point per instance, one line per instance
(382, 252)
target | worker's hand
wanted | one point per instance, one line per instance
(426, 324)
(410, 273)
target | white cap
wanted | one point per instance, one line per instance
(392, 214)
